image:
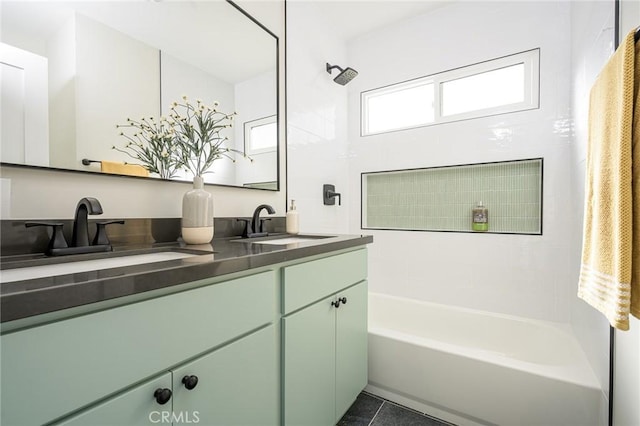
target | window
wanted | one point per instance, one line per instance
(400, 107)
(261, 136)
(498, 86)
(491, 89)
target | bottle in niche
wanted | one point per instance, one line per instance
(480, 218)
(292, 220)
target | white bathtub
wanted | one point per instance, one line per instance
(473, 367)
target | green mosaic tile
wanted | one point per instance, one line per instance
(441, 199)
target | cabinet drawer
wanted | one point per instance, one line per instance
(135, 407)
(307, 282)
(50, 370)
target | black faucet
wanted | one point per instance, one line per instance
(255, 227)
(80, 238)
(86, 206)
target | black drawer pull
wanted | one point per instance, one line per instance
(190, 382)
(162, 396)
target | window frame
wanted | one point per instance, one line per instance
(248, 125)
(530, 59)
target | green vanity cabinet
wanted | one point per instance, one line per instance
(324, 345)
(268, 347)
(237, 385)
(56, 369)
(134, 407)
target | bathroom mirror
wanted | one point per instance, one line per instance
(72, 71)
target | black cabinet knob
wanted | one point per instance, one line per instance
(190, 382)
(162, 396)
(340, 300)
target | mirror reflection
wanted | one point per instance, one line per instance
(73, 71)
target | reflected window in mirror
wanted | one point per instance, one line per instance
(261, 136)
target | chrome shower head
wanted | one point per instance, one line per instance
(345, 76)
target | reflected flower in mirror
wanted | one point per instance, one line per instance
(200, 135)
(152, 144)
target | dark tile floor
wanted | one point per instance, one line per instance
(371, 410)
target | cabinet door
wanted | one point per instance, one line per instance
(351, 347)
(237, 384)
(131, 408)
(309, 365)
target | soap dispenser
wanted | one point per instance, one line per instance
(480, 218)
(293, 224)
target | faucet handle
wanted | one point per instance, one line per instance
(247, 227)
(57, 239)
(262, 224)
(101, 238)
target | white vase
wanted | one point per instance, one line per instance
(197, 214)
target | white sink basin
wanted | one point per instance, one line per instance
(29, 273)
(287, 240)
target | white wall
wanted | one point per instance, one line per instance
(512, 274)
(34, 194)
(61, 51)
(626, 382)
(592, 42)
(116, 77)
(124, 77)
(317, 120)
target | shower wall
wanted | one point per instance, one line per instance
(511, 274)
(316, 120)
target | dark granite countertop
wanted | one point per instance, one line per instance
(26, 298)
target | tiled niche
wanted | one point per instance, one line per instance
(442, 198)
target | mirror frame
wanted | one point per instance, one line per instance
(279, 124)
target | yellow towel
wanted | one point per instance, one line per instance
(123, 169)
(635, 140)
(610, 272)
